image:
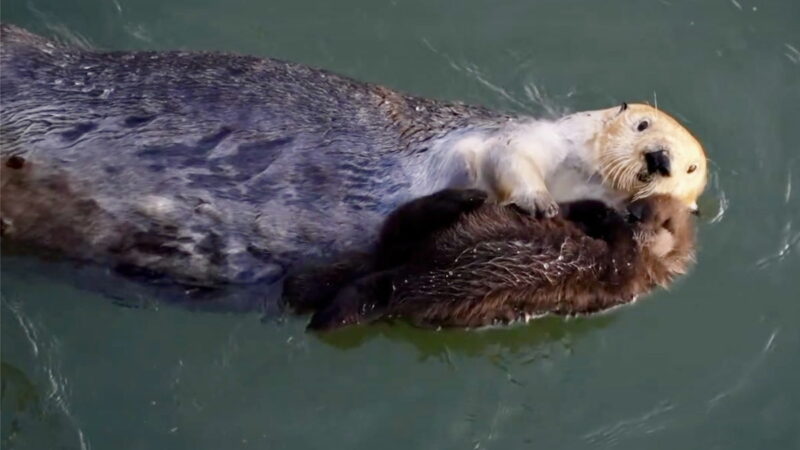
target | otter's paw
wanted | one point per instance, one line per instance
(345, 309)
(362, 301)
(331, 318)
(309, 291)
(313, 288)
(539, 203)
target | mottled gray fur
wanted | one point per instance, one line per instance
(205, 167)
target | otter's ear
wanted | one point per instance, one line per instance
(623, 106)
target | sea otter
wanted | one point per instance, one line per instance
(214, 168)
(449, 260)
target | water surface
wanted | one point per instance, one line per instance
(708, 364)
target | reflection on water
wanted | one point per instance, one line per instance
(789, 236)
(36, 416)
(718, 193)
(535, 100)
(651, 421)
(521, 340)
(746, 373)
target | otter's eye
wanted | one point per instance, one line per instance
(642, 125)
(692, 168)
(667, 224)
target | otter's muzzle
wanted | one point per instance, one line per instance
(657, 162)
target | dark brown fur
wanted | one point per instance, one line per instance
(494, 264)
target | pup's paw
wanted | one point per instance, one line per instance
(308, 291)
(463, 200)
(538, 203)
(312, 288)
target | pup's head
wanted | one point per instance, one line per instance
(663, 228)
(643, 151)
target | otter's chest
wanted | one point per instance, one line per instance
(573, 180)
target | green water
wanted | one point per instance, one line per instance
(707, 365)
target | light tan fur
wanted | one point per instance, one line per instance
(620, 148)
(595, 154)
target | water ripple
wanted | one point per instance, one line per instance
(747, 373)
(722, 197)
(537, 96)
(27, 326)
(47, 354)
(650, 422)
(792, 53)
(790, 240)
(61, 31)
(789, 237)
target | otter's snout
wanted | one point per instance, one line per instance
(657, 162)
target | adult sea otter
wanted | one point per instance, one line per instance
(216, 168)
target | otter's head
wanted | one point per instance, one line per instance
(663, 229)
(643, 151)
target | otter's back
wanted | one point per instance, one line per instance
(241, 164)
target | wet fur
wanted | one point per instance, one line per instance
(222, 168)
(494, 264)
(217, 169)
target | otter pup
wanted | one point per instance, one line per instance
(450, 260)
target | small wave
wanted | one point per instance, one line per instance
(650, 422)
(62, 32)
(747, 372)
(535, 96)
(789, 237)
(790, 241)
(47, 353)
(792, 53)
(719, 192)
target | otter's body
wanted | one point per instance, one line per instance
(206, 166)
(493, 264)
(213, 168)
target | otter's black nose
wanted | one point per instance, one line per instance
(657, 161)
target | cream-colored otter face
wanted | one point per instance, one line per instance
(644, 151)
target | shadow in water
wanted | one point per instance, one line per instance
(21, 403)
(139, 291)
(440, 344)
(130, 292)
(34, 394)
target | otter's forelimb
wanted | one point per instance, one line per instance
(364, 300)
(514, 177)
(404, 233)
(410, 226)
(313, 289)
